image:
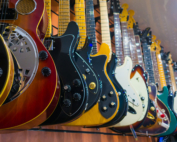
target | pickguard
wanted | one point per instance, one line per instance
(140, 87)
(123, 76)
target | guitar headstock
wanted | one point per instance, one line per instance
(169, 58)
(131, 20)
(124, 15)
(144, 35)
(158, 47)
(115, 6)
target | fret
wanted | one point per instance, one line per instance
(118, 39)
(105, 31)
(64, 16)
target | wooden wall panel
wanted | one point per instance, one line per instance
(40, 136)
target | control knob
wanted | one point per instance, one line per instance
(76, 82)
(43, 55)
(46, 71)
(76, 96)
(67, 88)
(67, 103)
(1, 72)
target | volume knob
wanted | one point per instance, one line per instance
(43, 55)
(76, 82)
(46, 71)
(67, 103)
(76, 96)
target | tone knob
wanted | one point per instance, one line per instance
(43, 55)
(104, 108)
(152, 108)
(142, 98)
(87, 70)
(76, 82)
(67, 88)
(111, 93)
(1, 72)
(103, 97)
(76, 96)
(46, 71)
(112, 104)
(92, 85)
(67, 103)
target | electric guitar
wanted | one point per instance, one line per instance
(6, 71)
(40, 94)
(127, 79)
(164, 96)
(106, 109)
(74, 91)
(156, 121)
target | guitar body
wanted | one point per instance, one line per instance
(63, 55)
(161, 125)
(92, 79)
(106, 109)
(40, 98)
(122, 96)
(122, 75)
(6, 71)
(163, 98)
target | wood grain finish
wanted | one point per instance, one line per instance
(39, 100)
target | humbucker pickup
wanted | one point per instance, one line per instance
(8, 13)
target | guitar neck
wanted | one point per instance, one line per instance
(155, 67)
(126, 43)
(90, 24)
(118, 40)
(139, 51)
(161, 71)
(133, 50)
(175, 73)
(80, 20)
(105, 32)
(167, 73)
(49, 28)
(64, 16)
(172, 77)
(148, 62)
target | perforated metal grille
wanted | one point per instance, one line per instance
(25, 6)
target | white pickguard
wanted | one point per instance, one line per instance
(133, 90)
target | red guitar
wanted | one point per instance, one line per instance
(38, 99)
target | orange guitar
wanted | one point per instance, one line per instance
(35, 102)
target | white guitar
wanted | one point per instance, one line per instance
(131, 80)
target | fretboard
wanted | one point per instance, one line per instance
(64, 16)
(48, 8)
(175, 73)
(80, 20)
(118, 40)
(148, 62)
(90, 24)
(139, 51)
(133, 49)
(156, 71)
(105, 32)
(161, 71)
(172, 76)
(125, 39)
(166, 72)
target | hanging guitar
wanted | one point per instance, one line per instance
(74, 91)
(6, 71)
(106, 109)
(40, 79)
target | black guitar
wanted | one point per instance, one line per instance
(74, 91)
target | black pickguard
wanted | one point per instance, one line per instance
(123, 101)
(68, 71)
(98, 63)
(82, 58)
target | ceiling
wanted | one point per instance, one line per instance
(159, 15)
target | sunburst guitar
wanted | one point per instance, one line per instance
(38, 98)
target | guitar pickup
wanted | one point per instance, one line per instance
(8, 13)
